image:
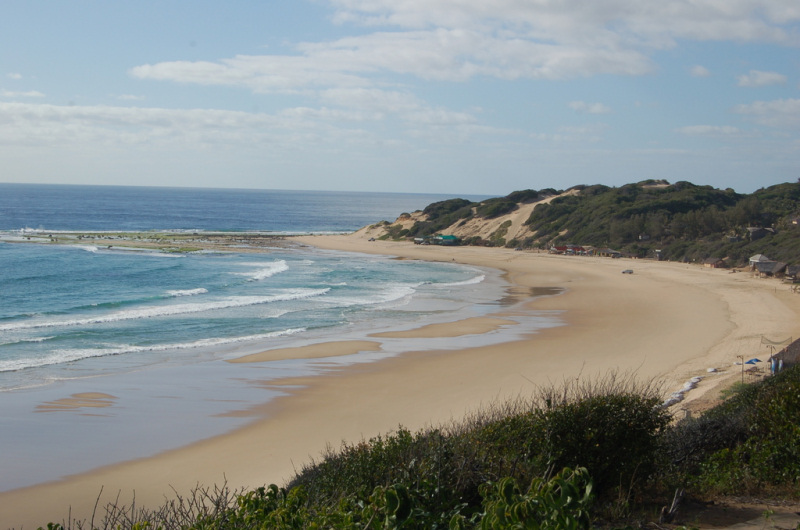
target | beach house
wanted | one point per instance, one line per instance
(769, 269)
(758, 258)
(714, 263)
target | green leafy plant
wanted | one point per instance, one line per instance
(561, 503)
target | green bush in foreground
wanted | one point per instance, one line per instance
(561, 503)
(467, 474)
(611, 427)
(767, 457)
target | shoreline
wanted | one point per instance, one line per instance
(666, 321)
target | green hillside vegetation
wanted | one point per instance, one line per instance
(683, 221)
(583, 455)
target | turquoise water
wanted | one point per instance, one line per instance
(151, 330)
(66, 307)
(61, 307)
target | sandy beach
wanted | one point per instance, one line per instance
(666, 320)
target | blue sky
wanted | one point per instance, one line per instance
(437, 96)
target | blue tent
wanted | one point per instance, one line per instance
(754, 360)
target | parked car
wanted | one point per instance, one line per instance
(627, 271)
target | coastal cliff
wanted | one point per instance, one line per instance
(472, 225)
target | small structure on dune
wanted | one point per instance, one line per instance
(788, 356)
(769, 269)
(571, 250)
(608, 253)
(758, 258)
(754, 233)
(792, 273)
(441, 239)
(714, 263)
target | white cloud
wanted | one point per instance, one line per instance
(130, 97)
(589, 108)
(262, 74)
(371, 99)
(710, 130)
(780, 113)
(294, 128)
(31, 124)
(454, 41)
(14, 75)
(441, 54)
(700, 71)
(589, 21)
(327, 114)
(28, 94)
(758, 78)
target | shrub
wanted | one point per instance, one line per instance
(619, 422)
(495, 208)
(769, 456)
(561, 503)
(615, 435)
(523, 196)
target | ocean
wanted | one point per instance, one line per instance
(142, 335)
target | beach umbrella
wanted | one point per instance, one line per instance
(754, 360)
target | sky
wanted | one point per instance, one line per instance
(422, 96)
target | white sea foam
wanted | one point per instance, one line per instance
(472, 281)
(187, 292)
(276, 313)
(168, 310)
(72, 355)
(263, 272)
(392, 293)
(12, 341)
(35, 339)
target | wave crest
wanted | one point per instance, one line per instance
(72, 355)
(264, 272)
(187, 292)
(168, 310)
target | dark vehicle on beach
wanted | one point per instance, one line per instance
(627, 271)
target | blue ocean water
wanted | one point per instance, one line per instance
(125, 208)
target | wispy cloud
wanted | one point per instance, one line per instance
(14, 75)
(758, 78)
(589, 108)
(700, 71)
(710, 130)
(46, 124)
(624, 22)
(442, 54)
(18, 94)
(780, 113)
(63, 125)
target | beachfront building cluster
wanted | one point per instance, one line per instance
(764, 267)
(583, 250)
